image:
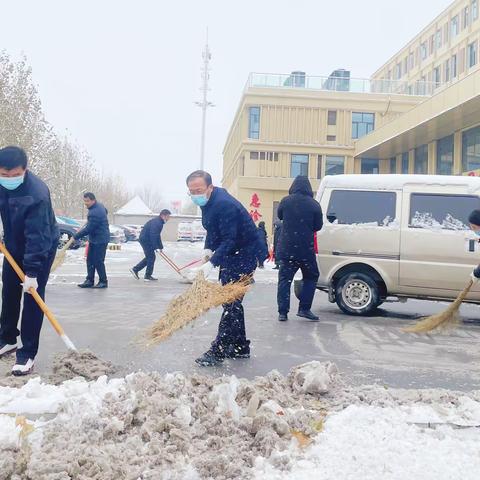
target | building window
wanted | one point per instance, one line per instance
(438, 39)
(454, 27)
(398, 71)
(453, 66)
(331, 138)
(254, 123)
(349, 207)
(437, 77)
(334, 165)
(432, 44)
(447, 70)
(332, 117)
(270, 156)
(465, 18)
(471, 149)
(423, 51)
(449, 212)
(421, 160)
(445, 156)
(411, 61)
(370, 165)
(474, 10)
(405, 162)
(362, 123)
(299, 165)
(472, 54)
(393, 165)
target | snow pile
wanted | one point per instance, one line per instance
(192, 427)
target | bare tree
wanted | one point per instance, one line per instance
(151, 196)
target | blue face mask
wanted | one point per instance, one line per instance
(11, 183)
(200, 200)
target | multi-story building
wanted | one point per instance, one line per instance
(408, 118)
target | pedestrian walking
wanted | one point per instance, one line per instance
(98, 234)
(151, 241)
(31, 235)
(302, 217)
(277, 230)
(232, 243)
(262, 233)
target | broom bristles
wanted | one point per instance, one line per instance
(61, 255)
(448, 318)
(200, 297)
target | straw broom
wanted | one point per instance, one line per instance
(449, 317)
(200, 297)
(61, 254)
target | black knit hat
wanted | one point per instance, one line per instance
(12, 157)
(474, 218)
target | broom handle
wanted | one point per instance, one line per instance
(170, 262)
(190, 264)
(48, 313)
(68, 244)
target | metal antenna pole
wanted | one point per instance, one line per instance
(204, 104)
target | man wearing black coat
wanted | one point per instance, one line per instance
(232, 243)
(302, 217)
(31, 236)
(262, 233)
(150, 240)
(98, 237)
(277, 230)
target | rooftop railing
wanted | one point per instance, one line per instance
(299, 80)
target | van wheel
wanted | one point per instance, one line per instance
(357, 294)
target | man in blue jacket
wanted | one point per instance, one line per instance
(232, 243)
(31, 236)
(151, 240)
(98, 238)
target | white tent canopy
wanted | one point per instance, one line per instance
(135, 206)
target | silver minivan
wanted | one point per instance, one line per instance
(394, 237)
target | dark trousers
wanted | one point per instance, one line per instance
(148, 261)
(231, 329)
(32, 316)
(96, 262)
(288, 269)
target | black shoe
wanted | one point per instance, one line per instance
(150, 279)
(276, 267)
(308, 314)
(238, 351)
(134, 273)
(210, 358)
(85, 284)
(101, 285)
(282, 317)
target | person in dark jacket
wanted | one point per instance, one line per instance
(150, 240)
(262, 232)
(277, 230)
(31, 236)
(232, 243)
(98, 237)
(302, 217)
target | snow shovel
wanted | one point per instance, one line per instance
(57, 327)
(61, 254)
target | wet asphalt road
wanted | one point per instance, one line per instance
(366, 350)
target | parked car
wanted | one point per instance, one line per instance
(394, 237)
(184, 232)
(132, 232)
(117, 235)
(68, 227)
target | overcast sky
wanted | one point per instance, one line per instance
(123, 76)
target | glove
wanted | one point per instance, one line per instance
(29, 283)
(206, 268)
(207, 254)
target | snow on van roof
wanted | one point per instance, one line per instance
(396, 181)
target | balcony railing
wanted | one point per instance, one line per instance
(298, 80)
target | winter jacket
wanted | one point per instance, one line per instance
(97, 225)
(150, 236)
(263, 238)
(231, 233)
(302, 216)
(276, 235)
(29, 224)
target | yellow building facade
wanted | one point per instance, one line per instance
(409, 121)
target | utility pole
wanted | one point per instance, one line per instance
(204, 104)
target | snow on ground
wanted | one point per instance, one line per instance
(177, 426)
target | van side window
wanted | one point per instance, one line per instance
(448, 212)
(348, 207)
